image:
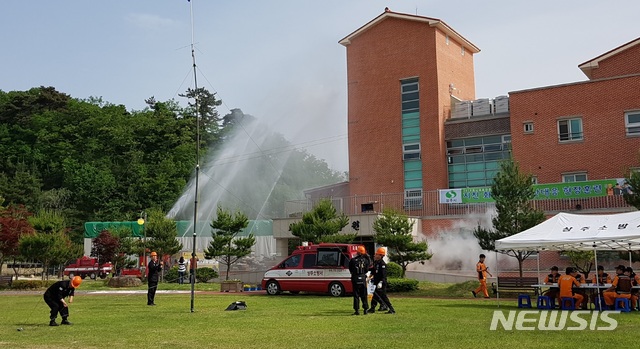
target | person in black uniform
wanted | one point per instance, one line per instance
(380, 280)
(358, 266)
(153, 269)
(54, 297)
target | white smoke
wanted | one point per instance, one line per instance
(456, 250)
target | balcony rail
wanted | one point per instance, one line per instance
(428, 205)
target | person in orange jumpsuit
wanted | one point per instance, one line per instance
(620, 287)
(600, 278)
(552, 278)
(482, 271)
(566, 283)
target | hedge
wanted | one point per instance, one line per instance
(401, 285)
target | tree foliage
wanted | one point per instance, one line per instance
(394, 230)
(161, 234)
(582, 260)
(512, 192)
(14, 224)
(226, 246)
(322, 224)
(632, 195)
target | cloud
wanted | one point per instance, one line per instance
(150, 22)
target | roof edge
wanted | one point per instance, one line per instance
(588, 66)
(432, 22)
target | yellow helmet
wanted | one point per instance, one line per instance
(76, 281)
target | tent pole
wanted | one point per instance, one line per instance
(595, 254)
(497, 285)
(538, 255)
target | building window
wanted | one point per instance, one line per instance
(462, 50)
(411, 151)
(447, 39)
(474, 162)
(413, 198)
(534, 180)
(632, 123)
(410, 112)
(570, 129)
(528, 127)
(574, 177)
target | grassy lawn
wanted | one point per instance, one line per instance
(285, 321)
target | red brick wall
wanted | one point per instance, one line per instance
(605, 151)
(623, 63)
(377, 60)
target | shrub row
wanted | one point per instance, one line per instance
(31, 284)
(401, 285)
(202, 275)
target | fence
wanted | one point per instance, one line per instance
(429, 205)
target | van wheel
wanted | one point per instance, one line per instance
(71, 275)
(92, 276)
(273, 288)
(336, 289)
(103, 276)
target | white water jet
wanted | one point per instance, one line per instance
(241, 176)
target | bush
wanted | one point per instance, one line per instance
(394, 270)
(31, 284)
(401, 285)
(171, 275)
(205, 274)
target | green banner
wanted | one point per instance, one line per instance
(572, 190)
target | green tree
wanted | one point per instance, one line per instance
(512, 192)
(48, 249)
(226, 247)
(161, 234)
(393, 230)
(632, 195)
(322, 224)
(582, 260)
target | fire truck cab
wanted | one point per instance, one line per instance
(320, 268)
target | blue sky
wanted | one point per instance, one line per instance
(280, 60)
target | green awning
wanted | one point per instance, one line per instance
(184, 228)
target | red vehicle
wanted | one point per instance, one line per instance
(320, 268)
(87, 266)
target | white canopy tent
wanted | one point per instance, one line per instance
(574, 232)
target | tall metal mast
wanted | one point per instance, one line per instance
(195, 202)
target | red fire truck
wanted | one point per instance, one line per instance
(88, 266)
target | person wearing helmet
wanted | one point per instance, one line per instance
(379, 273)
(358, 266)
(54, 297)
(153, 270)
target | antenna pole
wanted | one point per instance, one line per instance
(192, 265)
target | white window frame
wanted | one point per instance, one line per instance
(569, 133)
(632, 129)
(406, 153)
(528, 127)
(413, 198)
(566, 176)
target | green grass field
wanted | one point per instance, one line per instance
(285, 321)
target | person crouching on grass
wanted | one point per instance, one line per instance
(566, 284)
(55, 295)
(482, 270)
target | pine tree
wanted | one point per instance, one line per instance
(226, 246)
(512, 192)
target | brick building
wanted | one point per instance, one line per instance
(415, 125)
